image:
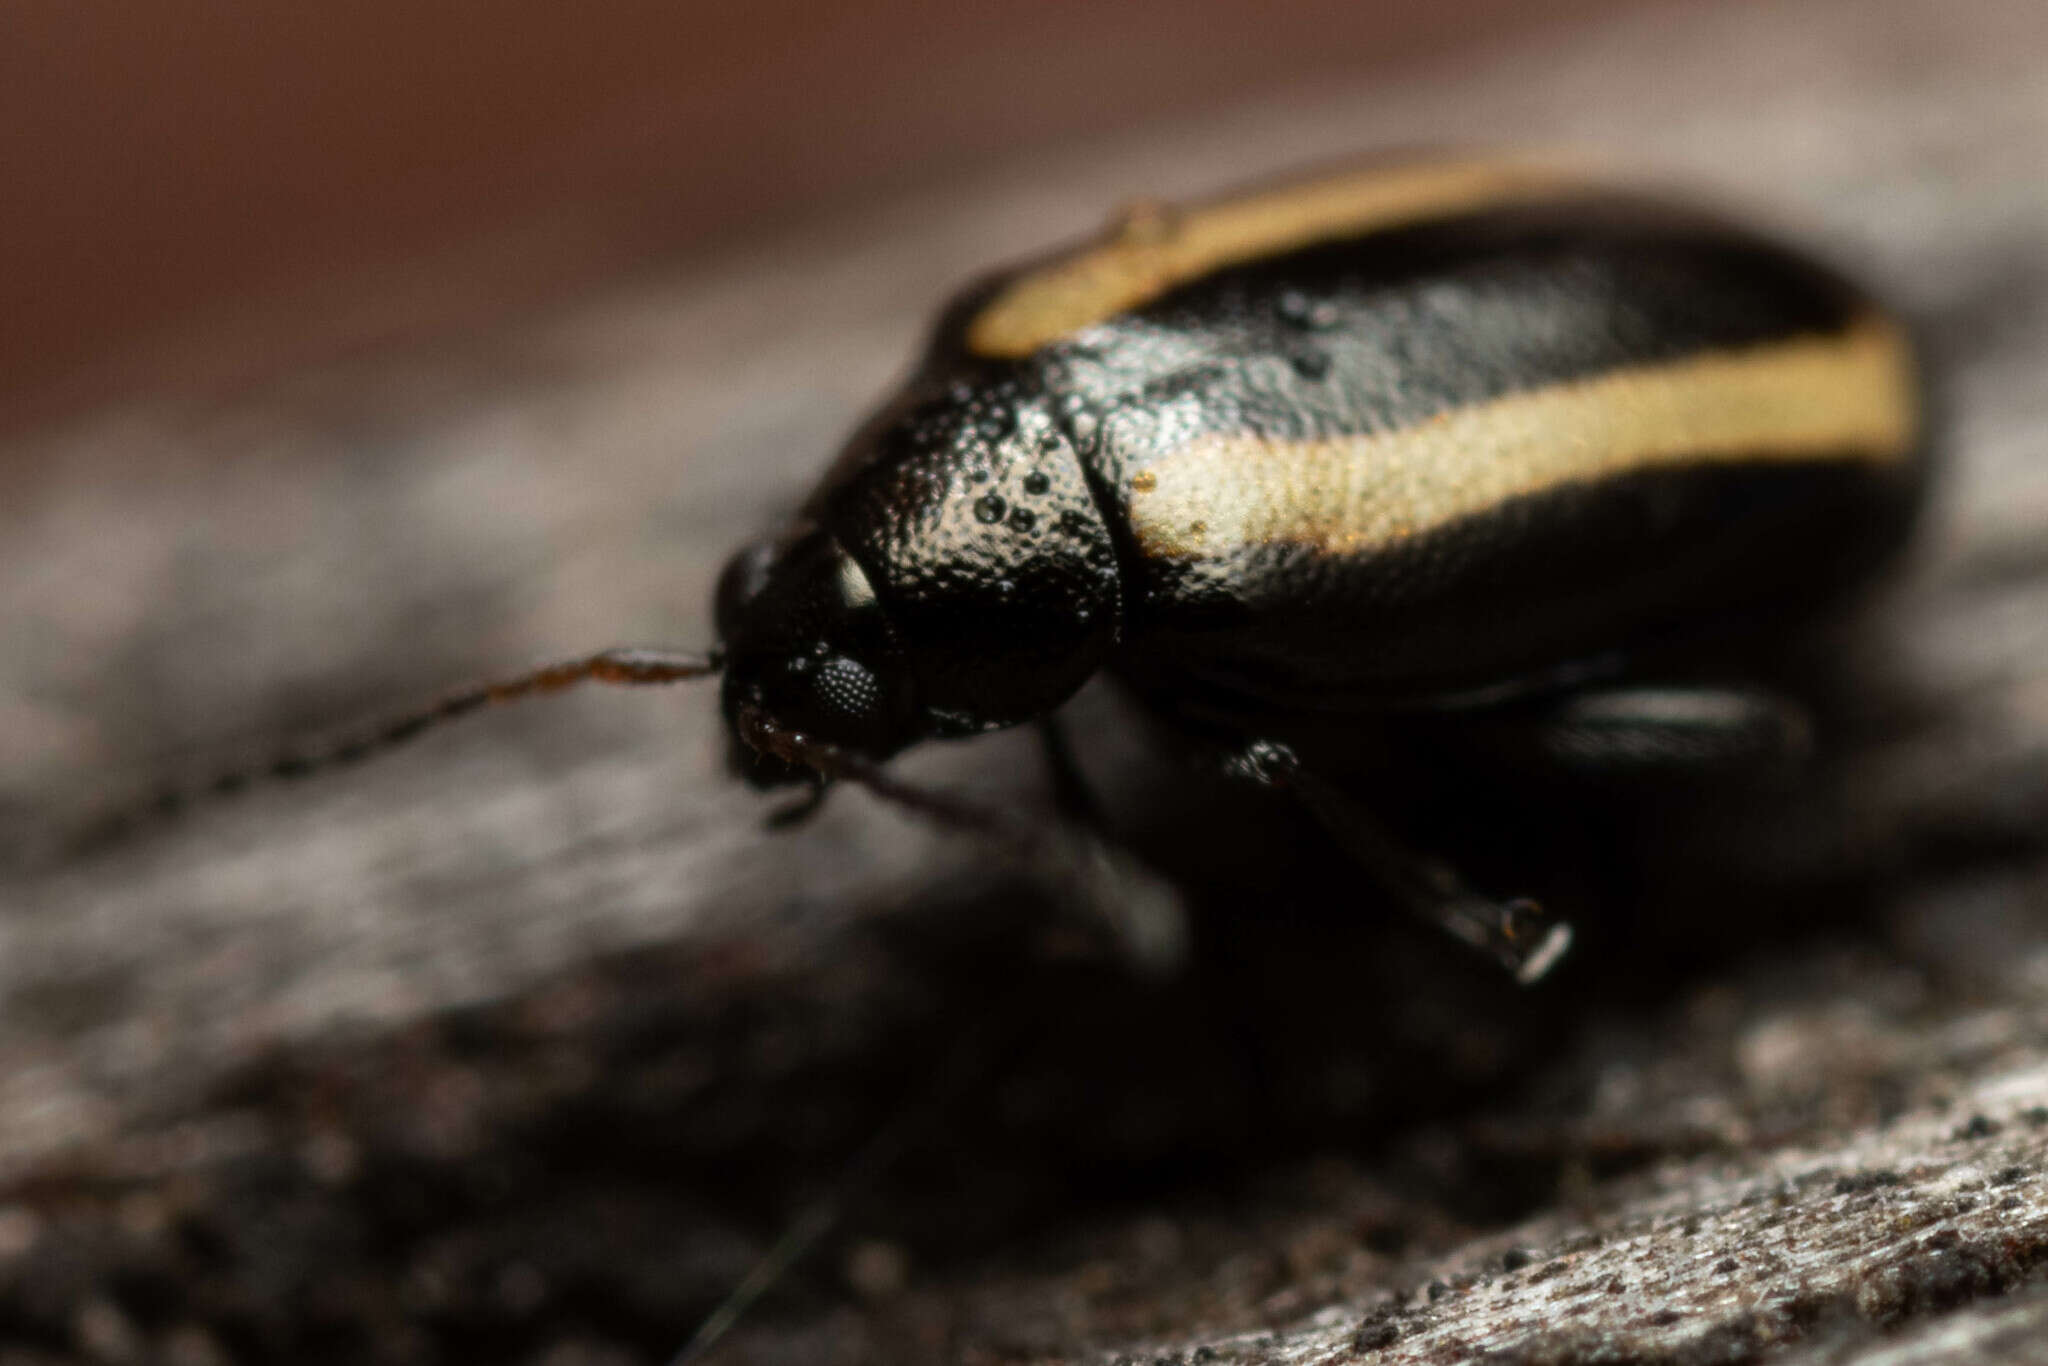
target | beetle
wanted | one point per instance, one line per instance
(1463, 438)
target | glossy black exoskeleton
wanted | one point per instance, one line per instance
(1414, 441)
(1421, 440)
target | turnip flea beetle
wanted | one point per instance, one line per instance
(1443, 438)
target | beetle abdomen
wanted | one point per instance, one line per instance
(1460, 425)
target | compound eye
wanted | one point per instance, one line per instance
(846, 688)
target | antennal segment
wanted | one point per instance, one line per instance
(623, 666)
(626, 666)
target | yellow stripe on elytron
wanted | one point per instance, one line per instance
(1158, 247)
(1845, 396)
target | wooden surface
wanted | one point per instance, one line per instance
(522, 1045)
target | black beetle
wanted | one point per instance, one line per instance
(1463, 438)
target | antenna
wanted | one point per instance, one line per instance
(622, 666)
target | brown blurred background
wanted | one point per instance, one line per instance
(199, 192)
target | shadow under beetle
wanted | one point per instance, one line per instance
(1445, 441)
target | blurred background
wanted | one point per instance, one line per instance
(349, 351)
(198, 191)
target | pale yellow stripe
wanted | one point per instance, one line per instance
(1848, 396)
(1158, 247)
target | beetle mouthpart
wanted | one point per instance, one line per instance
(765, 735)
(1112, 891)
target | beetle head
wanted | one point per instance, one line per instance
(810, 650)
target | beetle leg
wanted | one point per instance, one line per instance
(620, 666)
(1619, 734)
(1070, 790)
(800, 809)
(1105, 884)
(1513, 931)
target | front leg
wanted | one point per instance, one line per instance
(1071, 793)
